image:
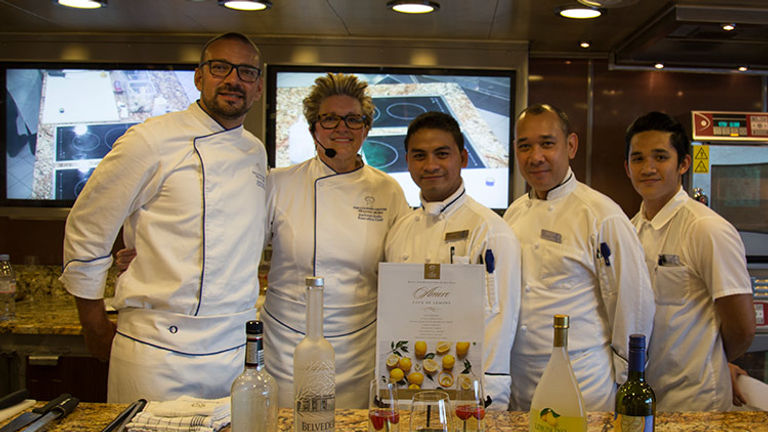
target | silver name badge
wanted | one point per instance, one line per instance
(551, 236)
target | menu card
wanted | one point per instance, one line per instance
(430, 325)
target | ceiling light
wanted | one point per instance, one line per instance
(728, 27)
(608, 3)
(83, 4)
(743, 68)
(659, 65)
(413, 6)
(578, 11)
(246, 5)
(585, 44)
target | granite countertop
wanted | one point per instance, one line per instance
(94, 417)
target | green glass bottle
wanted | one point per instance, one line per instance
(635, 401)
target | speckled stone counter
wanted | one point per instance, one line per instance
(94, 417)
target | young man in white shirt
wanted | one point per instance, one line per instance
(704, 312)
(451, 227)
(581, 257)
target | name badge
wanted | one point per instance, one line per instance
(551, 236)
(456, 235)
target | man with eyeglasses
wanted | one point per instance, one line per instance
(188, 189)
(328, 217)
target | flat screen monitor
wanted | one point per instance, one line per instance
(482, 101)
(60, 120)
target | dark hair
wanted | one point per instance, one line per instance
(230, 36)
(436, 120)
(538, 109)
(658, 121)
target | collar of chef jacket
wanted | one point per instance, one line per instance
(668, 211)
(435, 208)
(565, 187)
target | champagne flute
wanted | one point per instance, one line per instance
(383, 414)
(469, 405)
(430, 412)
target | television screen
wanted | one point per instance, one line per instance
(60, 121)
(481, 101)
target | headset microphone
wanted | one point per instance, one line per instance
(329, 152)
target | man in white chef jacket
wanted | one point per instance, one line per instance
(581, 257)
(451, 227)
(704, 311)
(189, 190)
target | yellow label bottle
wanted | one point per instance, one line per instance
(557, 405)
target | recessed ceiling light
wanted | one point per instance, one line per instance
(413, 6)
(578, 11)
(743, 68)
(246, 5)
(585, 44)
(659, 65)
(728, 27)
(83, 4)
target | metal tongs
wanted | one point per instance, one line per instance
(122, 419)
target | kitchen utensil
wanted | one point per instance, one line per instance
(59, 411)
(27, 418)
(13, 398)
(122, 419)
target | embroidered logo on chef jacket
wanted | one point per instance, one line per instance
(260, 177)
(368, 212)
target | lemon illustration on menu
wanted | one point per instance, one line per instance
(435, 367)
(557, 405)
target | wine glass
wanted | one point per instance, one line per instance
(469, 404)
(430, 411)
(383, 414)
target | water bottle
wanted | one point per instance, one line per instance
(7, 289)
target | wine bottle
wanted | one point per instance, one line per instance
(635, 401)
(557, 404)
(254, 392)
(314, 369)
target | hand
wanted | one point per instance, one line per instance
(738, 398)
(123, 258)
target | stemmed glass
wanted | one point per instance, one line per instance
(469, 405)
(430, 412)
(382, 407)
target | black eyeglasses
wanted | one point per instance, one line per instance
(222, 69)
(332, 121)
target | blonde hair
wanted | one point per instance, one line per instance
(337, 84)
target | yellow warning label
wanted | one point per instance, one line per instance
(701, 152)
(700, 159)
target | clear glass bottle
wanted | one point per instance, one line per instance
(635, 400)
(557, 404)
(7, 289)
(254, 392)
(314, 369)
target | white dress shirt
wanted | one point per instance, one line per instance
(694, 257)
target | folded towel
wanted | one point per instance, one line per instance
(183, 414)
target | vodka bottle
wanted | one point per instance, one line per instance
(635, 401)
(254, 392)
(314, 369)
(7, 289)
(557, 404)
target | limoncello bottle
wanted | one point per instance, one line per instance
(557, 404)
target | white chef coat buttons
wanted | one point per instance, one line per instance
(536, 246)
(527, 288)
(173, 329)
(551, 207)
(524, 327)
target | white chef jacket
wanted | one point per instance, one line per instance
(581, 257)
(191, 197)
(421, 237)
(694, 257)
(330, 225)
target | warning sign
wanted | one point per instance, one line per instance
(700, 159)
